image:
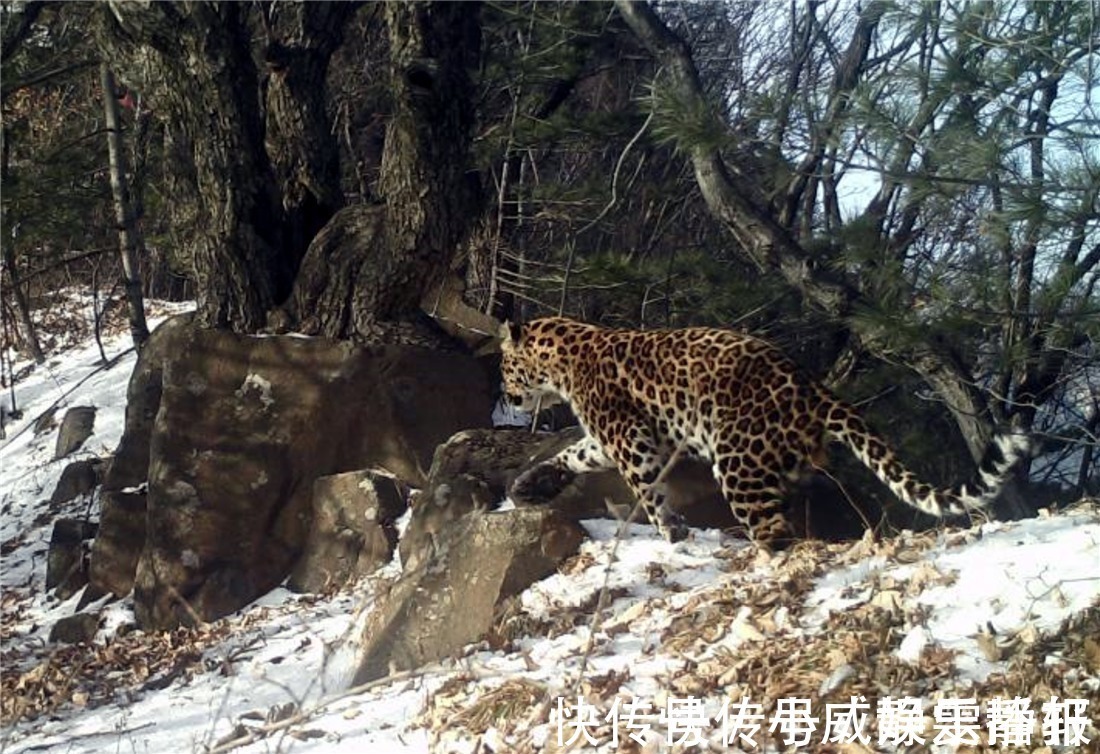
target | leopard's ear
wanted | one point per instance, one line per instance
(512, 331)
(509, 332)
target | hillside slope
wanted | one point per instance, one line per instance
(939, 635)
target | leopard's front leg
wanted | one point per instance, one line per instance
(544, 481)
(641, 456)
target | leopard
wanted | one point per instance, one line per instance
(737, 402)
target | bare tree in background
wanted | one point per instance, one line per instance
(975, 262)
(130, 242)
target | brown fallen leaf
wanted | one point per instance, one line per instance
(1091, 650)
(990, 648)
(305, 735)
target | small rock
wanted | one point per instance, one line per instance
(44, 423)
(66, 564)
(353, 530)
(75, 629)
(76, 427)
(452, 598)
(78, 478)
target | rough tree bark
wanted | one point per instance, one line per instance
(367, 271)
(193, 63)
(267, 185)
(129, 236)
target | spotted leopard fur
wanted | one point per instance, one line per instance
(731, 399)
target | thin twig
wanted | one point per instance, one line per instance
(615, 176)
(859, 511)
(602, 599)
(263, 731)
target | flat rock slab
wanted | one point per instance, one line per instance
(77, 479)
(452, 598)
(121, 538)
(66, 564)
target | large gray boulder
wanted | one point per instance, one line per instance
(454, 597)
(243, 428)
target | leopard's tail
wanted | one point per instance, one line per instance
(846, 426)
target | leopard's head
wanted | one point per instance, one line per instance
(525, 367)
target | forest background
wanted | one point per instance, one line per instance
(904, 196)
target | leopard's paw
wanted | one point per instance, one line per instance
(540, 484)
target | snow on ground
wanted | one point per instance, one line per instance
(73, 377)
(634, 636)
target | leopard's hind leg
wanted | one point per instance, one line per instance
(755, 496)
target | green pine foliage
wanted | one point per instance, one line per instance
(55, 197)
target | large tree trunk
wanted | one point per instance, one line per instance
(129, 237)
(265, 188)
(194, 63)
(365, 275)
